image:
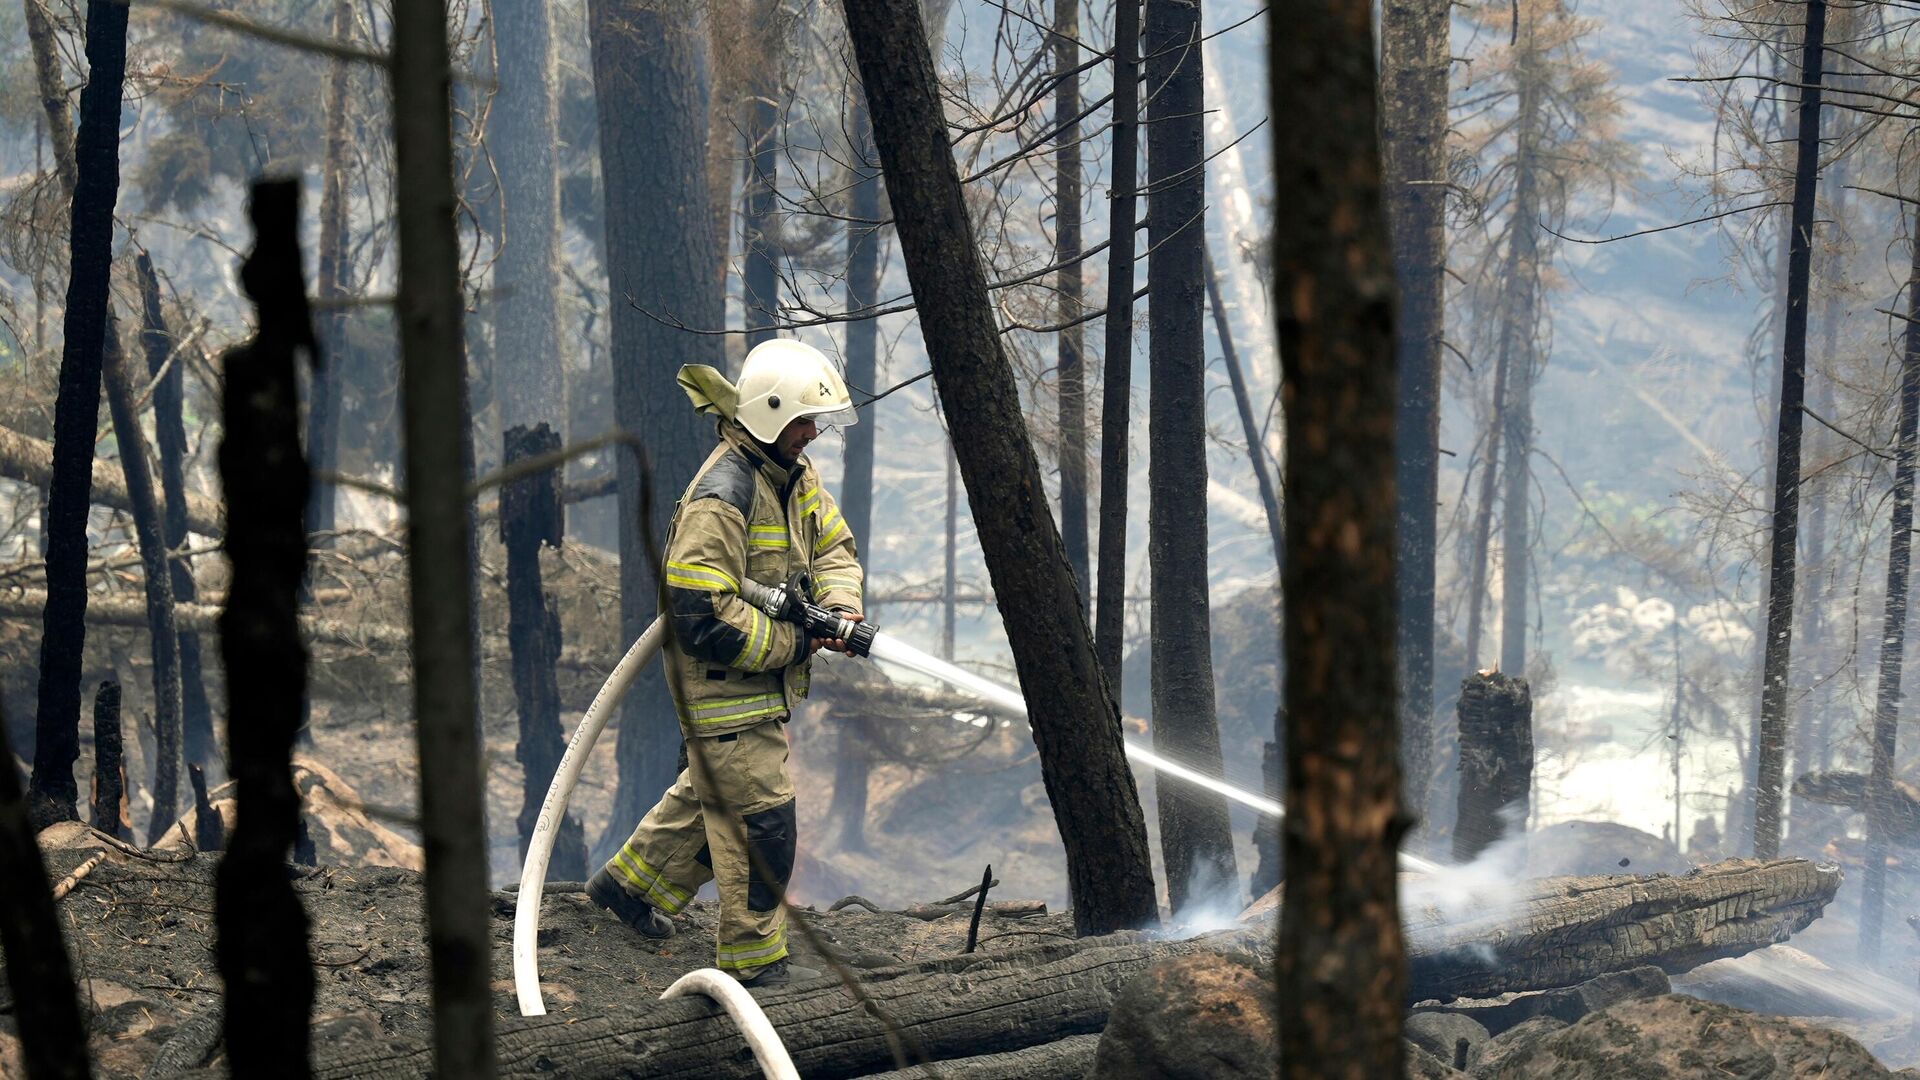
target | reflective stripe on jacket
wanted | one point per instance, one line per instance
(745, 517)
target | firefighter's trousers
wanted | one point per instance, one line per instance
(701, 830)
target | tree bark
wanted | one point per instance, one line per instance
(439, 542)
(1771, 763)
(52, 794)
(1116, 391)
(661, 257)
(30, 461)
(1479, 547)
(109, 809)
(760, 283)
(323, 409)
(157, 579)
(1496, 760)
(1519, 316)
(1414, 61)
(1196, 838)
(531, 385)
(950, 556)
(1076, 723)
(170, 432)
(1893, 634)
(1067, 286)
(262, 943)
(53, 92)
(1342, 964)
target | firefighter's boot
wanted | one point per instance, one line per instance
(603, 890)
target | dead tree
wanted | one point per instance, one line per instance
(1496, 760)
(1771, 764)
(439, 543)
(760, 282)
(1076, 723)
(262, 935)
(1116, 391)
(529, 381)
(1196, 838)
(30, 461)
(157, 581)
(1067, 288)
(1482, 535)
(1342, 964)
(52, 795)
(46, 1009)
(1519, 316)
(109, 809)
(170, 431)
(531, 515)
(1893, 632)
(323, 414)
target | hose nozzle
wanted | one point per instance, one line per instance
(791, 604)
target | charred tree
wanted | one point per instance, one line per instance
(109, 809)
(262, 929)
(323, 408)
(529, 384)
(531, 515)
(1342, 963)
(660, 258)
(1893, 633)
(52, 794)
(760, 283)
(1496, 760)
(170, 433)
(46, 1009)
(1196, 838)
(1770, 766)
(440, 543)
(1414, 60)
(157, 581)
(1116, 389)
(1077, 725)
(1519, 317)
(1067, 288)
(1481, 541)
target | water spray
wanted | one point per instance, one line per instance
(791, 602)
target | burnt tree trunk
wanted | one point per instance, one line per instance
(108, 812)
(1771, 764)
(170, 433)
(1478, 547)
(1342, 964)
(760, 281)
(1116, 390)
(529, 382)
(440, 543)
(531, 515)
(1519, 317)
(52, 795)
(1414, 60)
(46, 1010)
(323, 409)
(157, 581)
(1496, 760)
(949, 589)
(1196, 838)
(1067, 286)
(1076, 723)
(262, 929)
(1893, 633)
(661, 258)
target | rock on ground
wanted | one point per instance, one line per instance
(1193, 1018)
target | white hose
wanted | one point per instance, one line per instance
(754, 1026)
(533, 876)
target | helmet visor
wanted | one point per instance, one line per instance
(844, 417)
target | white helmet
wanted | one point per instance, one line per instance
(782, 380)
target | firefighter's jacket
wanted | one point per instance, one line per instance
(745, 516)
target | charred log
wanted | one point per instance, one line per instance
(109, 809)
(1496, 759)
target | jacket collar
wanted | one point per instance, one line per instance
(779, 477)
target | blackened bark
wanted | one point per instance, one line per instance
(1893, 634)
(1076, 723)
(531, 515)
(529, 384)
(52, 794)
(46, 1009)
(1341, 960)
(440, 543)
(660, 264)
(109, 809)
(1067, 285)
(170, 434)
(760, 282)
(209, 832)
(1196, 838)
(323, 409)
(1771, 763)
(1266, 835)
(1414, 60)
(1496, 760)
(262, 929)
(1116, 390)
(157, 579)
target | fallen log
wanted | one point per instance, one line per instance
(30, 461)
(1849, 789)
(1071, 1056)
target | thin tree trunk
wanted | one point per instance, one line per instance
(950, 577)
(530, 384)
(1478, 550)
(1414, 61)
(53, 1041)
(52, 796)
(323, 410)
(170, 433)
(262, 929)
(1893, 635)
(1116, 392)
(1196, 837)
(760, 283)
(1076, 723)
(1771, 763)
(109, 809)
(439, 544)
(1519, 317)
(1067, 283)
(1341, 960)
(157, 579)
(53, 91)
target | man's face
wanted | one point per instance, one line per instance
(794, 439)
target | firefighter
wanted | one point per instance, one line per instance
(755, 510)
